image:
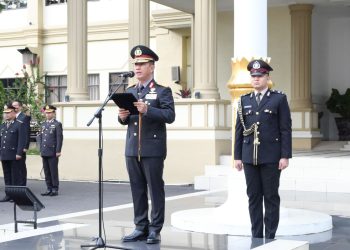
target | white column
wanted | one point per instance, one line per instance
(138, 22)
(250, 41)
(138, 26)
(250, 28)
(205, 61)
(33, 34)
(77, 87)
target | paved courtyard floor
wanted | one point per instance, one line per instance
(71, 219)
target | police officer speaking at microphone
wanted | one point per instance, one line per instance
(263, 146)
(50, 139)
(145, 149)
(12, 143)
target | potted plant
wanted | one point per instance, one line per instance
(340, 104)
(185, 93)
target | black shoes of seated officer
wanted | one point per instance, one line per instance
(137, 235)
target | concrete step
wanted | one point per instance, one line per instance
(210, 182)
(226, 160)
(217, 170)
(346, 147)
(322, 172)
(284, 244)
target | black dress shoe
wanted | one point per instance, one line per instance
(5, 199)
(54, 193)
(47, 193)
(136, 235)
(153, 238)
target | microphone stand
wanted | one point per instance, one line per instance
(99, 242)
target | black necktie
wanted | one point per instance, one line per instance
(258, 98)
(139, 90)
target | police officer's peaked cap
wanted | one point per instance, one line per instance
(259, 68)
(9, 108)
(49, 108)
(141, 54)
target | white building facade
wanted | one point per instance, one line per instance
(82, 44)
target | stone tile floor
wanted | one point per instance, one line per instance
(71, 219)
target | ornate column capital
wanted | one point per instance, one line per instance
(307, 8)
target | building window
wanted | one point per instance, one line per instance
(50, 2)
(13, 4)
(10, 86)
(9, 83)
(94, 86)
(56, 88)
(115, 81)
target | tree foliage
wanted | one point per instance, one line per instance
(26, 90)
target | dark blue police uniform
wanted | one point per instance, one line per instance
(260, 151)
(12, 136)
(25, 119)
(146, 150)
(51, 140)
(149, 171)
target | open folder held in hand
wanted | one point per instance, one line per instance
(125, 101)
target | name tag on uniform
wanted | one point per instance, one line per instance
(151, 96)
(247, 107)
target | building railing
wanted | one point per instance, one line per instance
(191, 115)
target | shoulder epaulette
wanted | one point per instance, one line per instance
(162, 85)
(131, 86)
(277, 92)
(246, 94)
(19, 121)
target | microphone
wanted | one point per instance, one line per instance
(126, 74)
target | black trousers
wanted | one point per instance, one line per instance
(144, 175)
(50, 165)
(12, 172)
(262, 185)
(23, 167)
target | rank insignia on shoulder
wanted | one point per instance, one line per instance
(277, 91)
(131, 86)
(246, 94)
(19, 121)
